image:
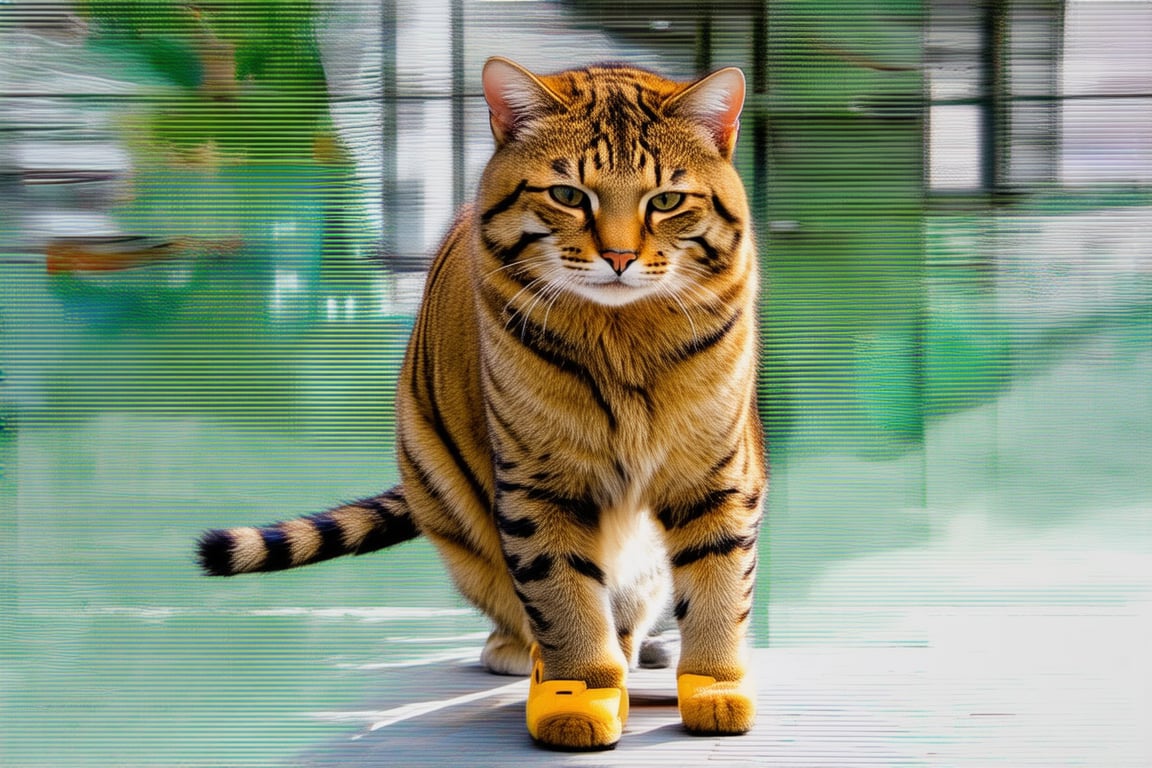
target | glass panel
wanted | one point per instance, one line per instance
(1106, 53)
(1106, 140)
(954, 147)
(1106, 48)
(953, 45)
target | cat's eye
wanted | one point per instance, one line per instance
(665, 201)
(565, 195)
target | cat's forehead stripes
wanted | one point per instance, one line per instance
(599, 82)
(620, 104)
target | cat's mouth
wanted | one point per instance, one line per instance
(613, 291)
(616, 282)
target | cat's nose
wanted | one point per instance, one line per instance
(618, 260)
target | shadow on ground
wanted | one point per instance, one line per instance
(466, 716)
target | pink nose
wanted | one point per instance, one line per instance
(618, 260)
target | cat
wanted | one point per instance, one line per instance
(578, 431)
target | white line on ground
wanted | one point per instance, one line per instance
(384, 718)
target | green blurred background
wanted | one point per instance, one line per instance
(215, 222)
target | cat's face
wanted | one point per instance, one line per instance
(613, 184)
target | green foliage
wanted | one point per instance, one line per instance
(274, 39)
(249, 72)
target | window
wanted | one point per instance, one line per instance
(1106, 85)
(1027, 93)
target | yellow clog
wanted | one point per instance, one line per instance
(568, 715)
(709, 706)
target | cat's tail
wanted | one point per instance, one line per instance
(349, 529)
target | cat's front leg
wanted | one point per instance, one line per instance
(711, 542)
(578, 699)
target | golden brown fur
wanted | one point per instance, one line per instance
(577, 421)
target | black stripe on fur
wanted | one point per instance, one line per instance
(279, 551)
(586, 567)
(393, 528)
(696, 346)
(723, 546)
(331, 537)
(215, 553)
(678, 517)
(507, 202)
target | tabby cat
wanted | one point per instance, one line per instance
(578, 432)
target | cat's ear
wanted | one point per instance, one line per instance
(514, 96)
(715, 102)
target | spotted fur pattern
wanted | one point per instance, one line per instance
(578, 432)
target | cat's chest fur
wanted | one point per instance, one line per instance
(630, 421)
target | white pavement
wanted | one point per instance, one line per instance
(973, 707)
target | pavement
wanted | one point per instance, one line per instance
(953, 707)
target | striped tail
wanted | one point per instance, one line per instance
(350, 529)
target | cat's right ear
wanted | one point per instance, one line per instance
(514, 97)
(715, 102)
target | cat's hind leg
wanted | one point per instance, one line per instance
(506, 653)
(485, 582)
(454, 517)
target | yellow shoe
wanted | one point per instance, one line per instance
(709, 706)
(568, 715)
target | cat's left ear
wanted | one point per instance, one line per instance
(715, 102)
(514, 97)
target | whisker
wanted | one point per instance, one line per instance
(558, 290)
(526, 310)
(694, 289)
(535, 261)
(523, 311)
(550, 285)
(665, 290)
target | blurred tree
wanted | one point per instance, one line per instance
(248, 74)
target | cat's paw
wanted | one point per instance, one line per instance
(568, 715)
(712, 707)
(577, 732)
(655, 653)
(504, 654)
